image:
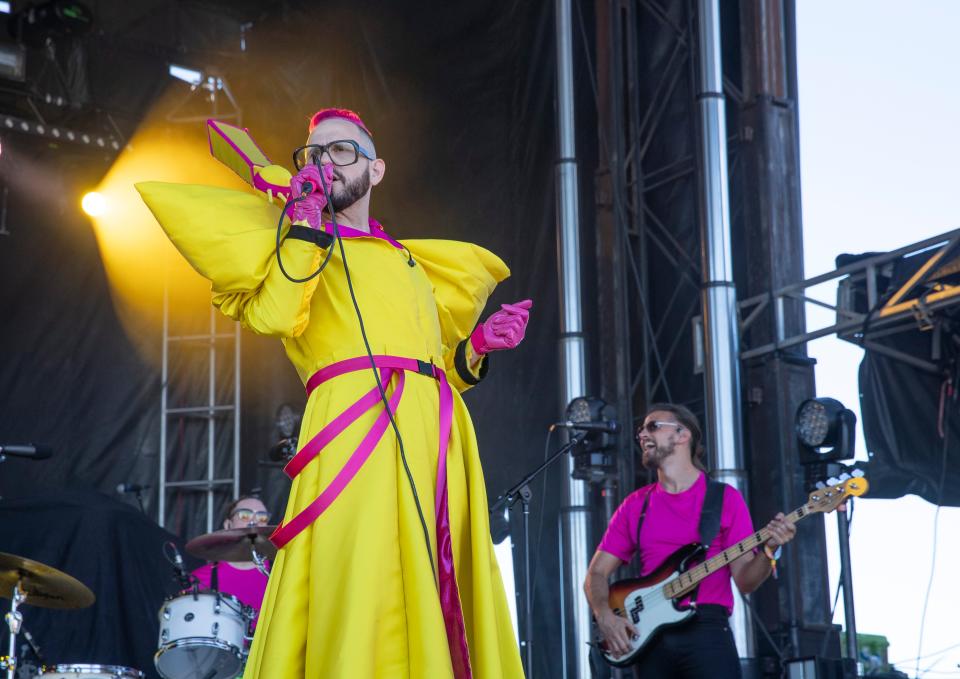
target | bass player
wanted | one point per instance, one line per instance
(657, 520)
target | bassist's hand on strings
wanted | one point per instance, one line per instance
(617, 632)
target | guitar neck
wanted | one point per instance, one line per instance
(691, 578)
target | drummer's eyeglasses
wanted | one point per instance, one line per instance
(249, 516)
(654, 425)
(341, 152)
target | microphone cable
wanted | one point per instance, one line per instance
(326, 260)
(366, 344)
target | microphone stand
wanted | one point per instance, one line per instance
(520, 491)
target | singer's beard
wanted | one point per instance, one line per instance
(351, 192)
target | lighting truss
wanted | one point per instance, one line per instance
(910, 307)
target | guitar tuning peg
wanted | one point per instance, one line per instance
(821, 485)
(845, 477)
(858, 473)
(833, 481)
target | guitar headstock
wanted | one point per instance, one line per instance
(830, 497)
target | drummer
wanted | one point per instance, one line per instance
(242, 579)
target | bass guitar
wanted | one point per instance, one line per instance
(651, 602)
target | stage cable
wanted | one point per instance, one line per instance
(947, 393)
(373, 366)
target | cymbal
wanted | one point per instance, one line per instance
(44, 586)
(234, 544)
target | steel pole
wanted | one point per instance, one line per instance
(724, 435)
(575, 513)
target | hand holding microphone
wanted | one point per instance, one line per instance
(504, 329)
(306, 185)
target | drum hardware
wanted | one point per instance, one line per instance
(88, 671)
(27, 582)
(236, 544)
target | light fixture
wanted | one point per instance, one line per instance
(825, 431)
(187, 75)
(94, 204)
(593, 459)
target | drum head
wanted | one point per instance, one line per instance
(199, 658)
(85, 671)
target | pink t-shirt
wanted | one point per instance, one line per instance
(673, 521)
(248, 585)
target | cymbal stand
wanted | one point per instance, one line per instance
(260, 562)
(14, 620)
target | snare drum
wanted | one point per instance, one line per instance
(201, 636)
(80, 671)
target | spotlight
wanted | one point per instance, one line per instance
(824, 423)
(187, 75)
(593, 459)
(94, 204)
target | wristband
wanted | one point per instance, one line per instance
(773, 555)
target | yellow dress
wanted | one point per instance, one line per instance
(353, 595)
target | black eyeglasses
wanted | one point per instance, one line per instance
(341, 152)
(654, 425)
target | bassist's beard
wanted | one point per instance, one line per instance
(653, 457)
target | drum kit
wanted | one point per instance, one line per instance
(204, 634)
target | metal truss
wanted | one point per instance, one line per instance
(649, 146)
(862, 313)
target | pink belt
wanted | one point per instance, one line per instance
(388, 366)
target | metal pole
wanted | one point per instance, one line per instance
(846, 574)
(527, 588)
(211, 414)
(236, 410)
(164, 377)
(721, 341)
(575, 513)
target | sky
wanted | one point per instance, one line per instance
(879, 139)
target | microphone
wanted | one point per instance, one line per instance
(28, 450)
(34, 646)
(179, 566)
(307, 188)
(608, 427)
(283, 450)
(130, 488)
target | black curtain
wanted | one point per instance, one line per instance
(460, 99)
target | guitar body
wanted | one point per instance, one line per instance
(650, 603)
(643, 603)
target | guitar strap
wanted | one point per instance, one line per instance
(709, 521)
(711, 511)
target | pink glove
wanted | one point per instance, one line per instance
(311, 207)
(503, 330)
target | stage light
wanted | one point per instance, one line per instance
(825, 430)
(593, 459)
(94, 204)
(187, 75)
(13, 62)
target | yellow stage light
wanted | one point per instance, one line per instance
(94, 204)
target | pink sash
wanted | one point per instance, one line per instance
(388, 366)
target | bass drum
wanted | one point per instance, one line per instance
(202, 637)
(81, 671)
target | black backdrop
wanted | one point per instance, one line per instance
(460, 98)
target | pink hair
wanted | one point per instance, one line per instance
(342, 113)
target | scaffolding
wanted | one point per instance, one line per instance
(208, 352)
